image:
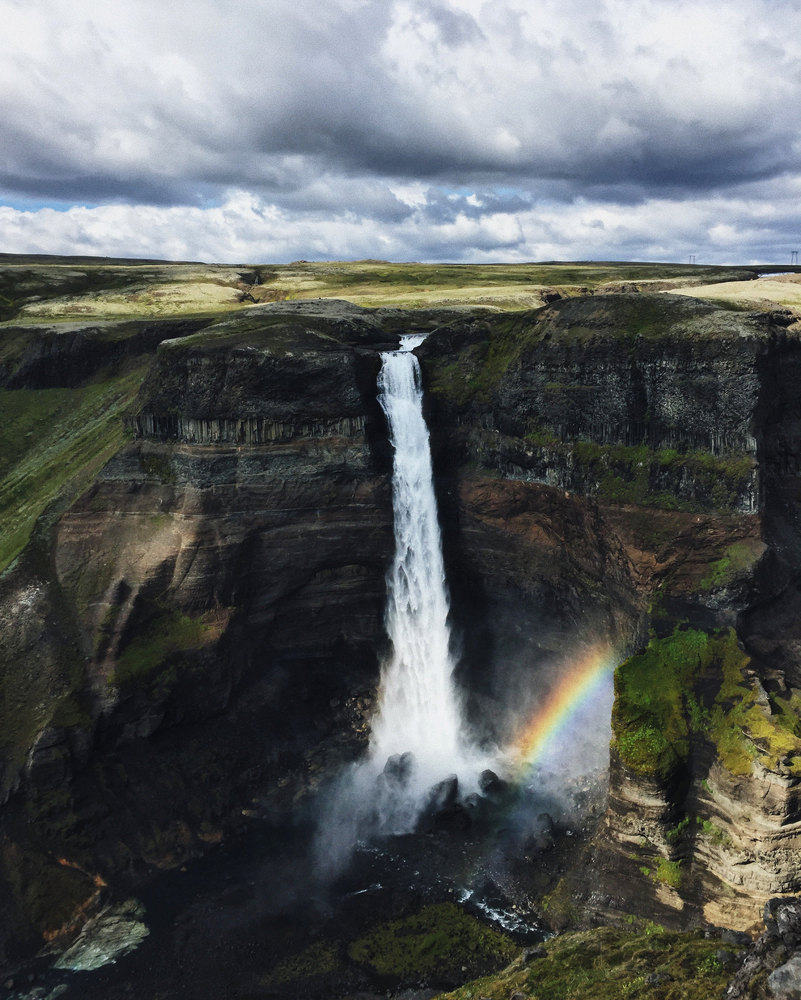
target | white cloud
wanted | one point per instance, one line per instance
(247, 228)
(350, 122)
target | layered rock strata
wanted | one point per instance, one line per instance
(668, 428)
(204, 623)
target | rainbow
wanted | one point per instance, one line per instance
(575, 687)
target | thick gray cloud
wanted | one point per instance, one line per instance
(430, 126)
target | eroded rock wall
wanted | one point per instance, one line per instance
(628, 464)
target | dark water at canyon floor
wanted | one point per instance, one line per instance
(233, 923)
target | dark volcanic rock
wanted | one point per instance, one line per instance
(67, 354)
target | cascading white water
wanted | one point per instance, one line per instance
(418, 737)
(419, 709)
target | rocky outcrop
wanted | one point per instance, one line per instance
(68, 354)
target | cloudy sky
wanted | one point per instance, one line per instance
(463, 130)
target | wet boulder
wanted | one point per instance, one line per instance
(399, 767)
(490, 784)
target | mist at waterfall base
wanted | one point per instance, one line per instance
(424, 768)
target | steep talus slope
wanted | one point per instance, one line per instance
(626, 468)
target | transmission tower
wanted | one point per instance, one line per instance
(793, 257)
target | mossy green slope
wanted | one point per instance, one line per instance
(692, 682)
(52, 443)
(610, 964)
(439, 943)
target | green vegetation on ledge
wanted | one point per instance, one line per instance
(610, 964)
(692, 682)
(632, 475)
(652, 691)
(737, 558)
(439, 940)
(668, 872)
(747, 726)
(484, 356)
(168, 631)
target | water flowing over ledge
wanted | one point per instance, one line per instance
(419, 730)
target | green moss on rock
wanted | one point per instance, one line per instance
(320, 959)
(658, 704)
(650, 715)
(737, 559)
(437, 941)
(668, 872)
(638, 474)
(168, 631)
(610, 964)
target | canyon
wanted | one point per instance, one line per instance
(197, 531)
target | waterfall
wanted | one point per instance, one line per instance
(419, 710)
(420, 758)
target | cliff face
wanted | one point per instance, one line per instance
(630, 463)
(197, 619)
(201, 625)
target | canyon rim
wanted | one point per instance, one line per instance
(198, 529)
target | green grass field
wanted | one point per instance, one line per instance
(35, 292)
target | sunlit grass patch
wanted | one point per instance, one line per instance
(157, 299)
(760, 293)
(52, 441)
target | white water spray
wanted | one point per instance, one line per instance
(419, 708)
(417, 735)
